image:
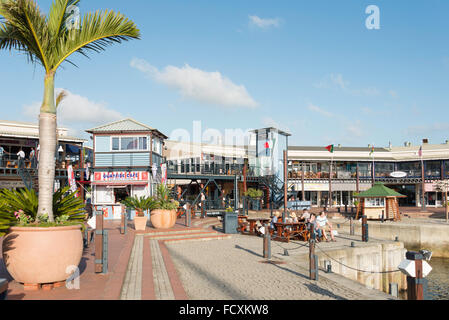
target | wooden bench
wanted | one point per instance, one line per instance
(3, 289)
(287, 231)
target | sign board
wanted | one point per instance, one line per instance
(299, 205)
(408, 267)
(121, 176)
(398, 174)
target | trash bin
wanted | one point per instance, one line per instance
(230, 222)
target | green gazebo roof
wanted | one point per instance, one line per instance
(379, 191)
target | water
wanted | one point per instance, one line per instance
(438, 280)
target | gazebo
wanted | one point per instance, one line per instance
(379, 201)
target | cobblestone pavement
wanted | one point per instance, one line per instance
(162, 287)
(132, 285)
(233, 269)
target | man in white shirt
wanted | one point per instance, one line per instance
(324, 225)
(21, 157)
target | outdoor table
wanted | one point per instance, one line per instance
(253, 222)
(288, 230)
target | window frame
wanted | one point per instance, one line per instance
(138, 137)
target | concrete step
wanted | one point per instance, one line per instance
(205, 238)
(173, 231)
(183, 235)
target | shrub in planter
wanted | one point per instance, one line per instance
(255, 195)
(34, 249)
(163, 210)
(140, 204)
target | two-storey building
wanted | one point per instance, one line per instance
(126, 154)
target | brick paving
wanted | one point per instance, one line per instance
(174, 264)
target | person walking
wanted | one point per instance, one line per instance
(21, 158)
(33, 158)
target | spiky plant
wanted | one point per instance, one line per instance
(50, 41)
(66, 207)
(163, 199)
(140, 204)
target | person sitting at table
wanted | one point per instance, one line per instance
(317, 232)
(293, 218)
(305, 215)
(274, 219)
(324, 225)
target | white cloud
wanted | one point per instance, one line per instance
(319, 110)
(76, 112)
(199, 85)
(264, 23)
(336, 81)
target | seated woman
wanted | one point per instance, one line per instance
(293, 218)
(324, 225)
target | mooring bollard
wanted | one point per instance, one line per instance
(313, 259)
(416, 283)
(351, 226)
(393, 289)
(364, 229)
(123, 221)
(382, 219)
(267, 243)
(99, 242)
(328, 266)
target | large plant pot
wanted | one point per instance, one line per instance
(163, 219)
(42, 255)
(140, 223)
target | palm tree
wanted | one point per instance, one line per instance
(50, 41)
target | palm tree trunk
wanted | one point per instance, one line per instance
(47, 141)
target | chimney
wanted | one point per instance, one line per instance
(425, 141)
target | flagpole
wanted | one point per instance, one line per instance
(373, 178)
(330, 180)
(423, 200)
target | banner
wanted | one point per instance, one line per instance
(71, 178)
(164, 173)
(118, 176)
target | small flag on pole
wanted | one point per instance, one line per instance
(420, 151)
(372, 151)
(267, 145)
(330, 148)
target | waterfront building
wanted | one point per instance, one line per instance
(16, 136)
(126, 162)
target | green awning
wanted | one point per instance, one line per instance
(379, 191)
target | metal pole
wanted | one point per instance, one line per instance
(284, 214)
(267, 243)
(202, 209)
(188, 215)
(423, 202)
(99, 242)
(351, 226)
(313, 270)
(302, 182)
(364, 229)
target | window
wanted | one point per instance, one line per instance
(374, 202)
(129, 143)
(115, 144)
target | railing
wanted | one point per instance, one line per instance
(206, 169)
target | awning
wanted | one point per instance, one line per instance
(119, 183)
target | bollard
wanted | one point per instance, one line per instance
(396, 239)
(267, 243)
(416, 286)
(352, 244)
(123, 222)
(393, 289)
(188, 216)
(339, 210)
(364, 229)
(286, 252)
(346, 208)
(351, 226)
(202, 210)
(382, 219)
(327, 266)
(313, 259)
(99, 242)
(105, 251)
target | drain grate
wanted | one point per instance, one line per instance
(273, 262)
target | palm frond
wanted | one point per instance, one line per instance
(25, 29)
(58, 16)
(97, 31)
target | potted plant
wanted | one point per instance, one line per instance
(36, 250)
(140, 204)
(163, 210)
(255, 195)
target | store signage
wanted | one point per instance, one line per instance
(398, 174)
(121, 176)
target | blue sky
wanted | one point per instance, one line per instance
(310, 67)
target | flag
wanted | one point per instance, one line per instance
(267, 145)
(372, 151)
(420, 152)
(330, 148)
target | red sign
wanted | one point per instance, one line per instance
(118, 176)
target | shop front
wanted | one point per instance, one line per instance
(110, 188)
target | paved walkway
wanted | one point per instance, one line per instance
(198, 263)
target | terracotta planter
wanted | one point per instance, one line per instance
(42, 255)
(163, 219)
(140, 223)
